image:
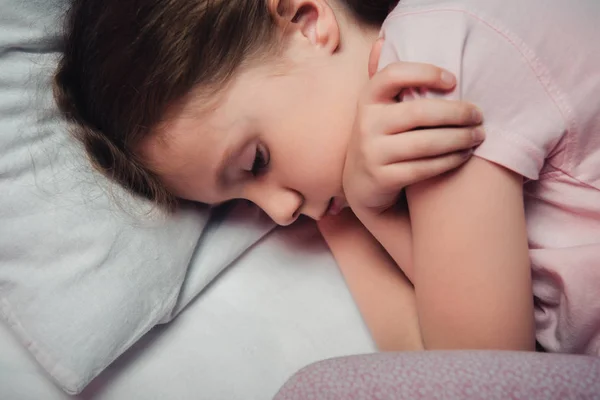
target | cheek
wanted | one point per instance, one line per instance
(325, 135)
(318, 156)
(331, 131)
(313, 138)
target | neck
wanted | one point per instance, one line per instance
(356, 47)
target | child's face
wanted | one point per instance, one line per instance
(277, 134)
(277, 140)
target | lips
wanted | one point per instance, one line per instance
(336, 205)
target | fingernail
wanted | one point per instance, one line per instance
(478, 135)
(476, 116)
(448, 78)
(465, 154)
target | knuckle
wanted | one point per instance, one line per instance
(466, 113)
(466, 137)
(422, 146)
(390, 72)
(418, 111)
(411, 173)
(379, 178)
(390, 184)
(370, 120)
(367, 161)
(433, 73)
(454, 160)
(429, 73)
(395, 73)
(364, 124)
(362, 156)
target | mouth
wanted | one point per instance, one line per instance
(335, 206)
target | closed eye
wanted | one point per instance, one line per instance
(261, 161)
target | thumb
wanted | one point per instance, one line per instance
(374, 56)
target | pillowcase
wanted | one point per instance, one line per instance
(85, 268)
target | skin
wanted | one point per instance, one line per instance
(471, 260)
(283, 137)
(285, 116)
(291, 142)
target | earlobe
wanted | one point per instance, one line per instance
(315, 20)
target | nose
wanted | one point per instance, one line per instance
(281, 204)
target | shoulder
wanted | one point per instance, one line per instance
(495, 70)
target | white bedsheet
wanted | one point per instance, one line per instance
(280, 307)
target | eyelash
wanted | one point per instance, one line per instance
(261, 161)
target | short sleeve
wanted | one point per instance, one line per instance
(494, 70)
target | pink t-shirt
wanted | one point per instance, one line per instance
(533, 67)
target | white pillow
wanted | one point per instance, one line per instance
(85, 269)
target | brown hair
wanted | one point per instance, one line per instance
(125, 62)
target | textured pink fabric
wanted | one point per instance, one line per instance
(533, 66)
(448, 375)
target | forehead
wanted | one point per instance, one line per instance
(185, 149)
(210, 109)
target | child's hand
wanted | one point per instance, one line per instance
(389, 149)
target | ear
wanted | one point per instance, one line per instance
(314, 20)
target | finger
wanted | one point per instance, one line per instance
(391, 80)
(374, 56)
(427, 143)
(423, 113)
(399, 175)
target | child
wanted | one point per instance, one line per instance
(534, 68)
(213, 101)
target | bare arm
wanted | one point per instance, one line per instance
(471, 263)
(393, 231)
(389, 150)
(384, 296)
